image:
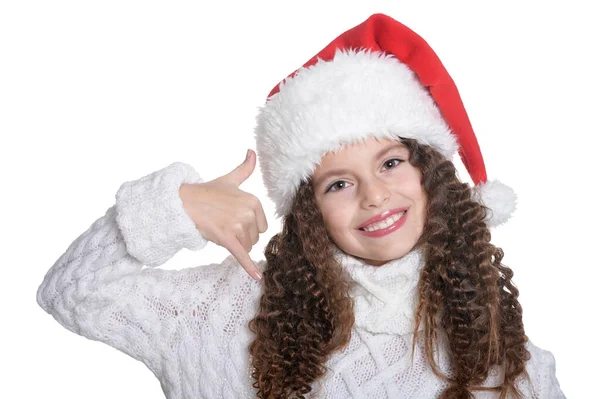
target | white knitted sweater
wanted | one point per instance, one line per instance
(190, 326)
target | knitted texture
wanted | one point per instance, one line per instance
(149, 215)
(190, 326)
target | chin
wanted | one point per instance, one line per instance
(380, 261)
(388, 258)
(376, 263)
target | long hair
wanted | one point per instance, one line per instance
(465, 292)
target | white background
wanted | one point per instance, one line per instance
(93, 94)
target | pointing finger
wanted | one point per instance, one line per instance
(238, 251)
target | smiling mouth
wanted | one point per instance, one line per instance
(384, 223)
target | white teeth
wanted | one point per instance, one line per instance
(385, 223)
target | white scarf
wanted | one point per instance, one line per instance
(386, 296)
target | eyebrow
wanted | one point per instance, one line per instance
(341, 171)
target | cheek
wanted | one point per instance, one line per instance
(335, 217)
(421, 201)
(332, 219)
(420, 196)
(410, 186)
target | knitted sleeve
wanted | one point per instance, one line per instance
(541, 368)
(100, 289)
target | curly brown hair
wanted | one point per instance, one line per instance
(465, 292)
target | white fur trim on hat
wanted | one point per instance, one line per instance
(500, 198)
(358, 94)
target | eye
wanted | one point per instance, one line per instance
(335, 185)
(392, 161)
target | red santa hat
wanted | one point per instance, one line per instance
(379, 79)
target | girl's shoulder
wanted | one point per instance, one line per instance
(541, 368)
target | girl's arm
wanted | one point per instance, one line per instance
(100, 289)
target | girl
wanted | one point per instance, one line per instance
(383, 282)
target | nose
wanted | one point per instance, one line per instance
(375, 194)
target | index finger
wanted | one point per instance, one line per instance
(239, 252)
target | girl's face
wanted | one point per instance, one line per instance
(371, 180)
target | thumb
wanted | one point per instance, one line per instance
(242, 171)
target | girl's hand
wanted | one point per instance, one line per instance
(226, 215)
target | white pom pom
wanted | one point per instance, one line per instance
(500, 198)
